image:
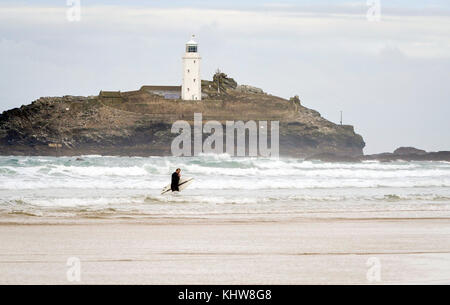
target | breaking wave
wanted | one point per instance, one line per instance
(94, 185)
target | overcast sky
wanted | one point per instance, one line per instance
(390, 78)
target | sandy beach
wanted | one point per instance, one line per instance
(180, 251)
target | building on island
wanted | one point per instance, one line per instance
(192, 83)
(168, 92)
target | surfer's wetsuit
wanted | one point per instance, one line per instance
(175, 181)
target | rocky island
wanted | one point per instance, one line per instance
(138, 123)
(409, 154)
(400, 154)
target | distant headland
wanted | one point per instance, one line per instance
(138, 123)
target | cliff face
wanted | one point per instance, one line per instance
(138, 123)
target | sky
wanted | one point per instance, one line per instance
(391, 78)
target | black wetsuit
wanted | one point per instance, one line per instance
(175, 181)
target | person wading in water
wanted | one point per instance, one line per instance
(175, 180)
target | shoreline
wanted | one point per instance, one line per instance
(206, 220)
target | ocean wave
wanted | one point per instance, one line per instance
(250, 170)
(85, 203)
(95, 171)
(96, 186)
(216, 183)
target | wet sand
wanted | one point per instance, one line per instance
(300, 251)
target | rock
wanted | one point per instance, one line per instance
(409, 151)
(224, 81)
(137, 123)
(403, 156)
(220, 85)
(249, 89)
(296, 100)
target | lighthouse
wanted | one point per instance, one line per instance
(192, 83)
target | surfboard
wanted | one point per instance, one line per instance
(184, 182)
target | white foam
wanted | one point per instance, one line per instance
(215, 172)
(96, 171)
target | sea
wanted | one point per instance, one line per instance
(224, 188)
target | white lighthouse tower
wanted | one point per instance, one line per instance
(192, 83)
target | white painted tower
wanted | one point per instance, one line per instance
(192, 83)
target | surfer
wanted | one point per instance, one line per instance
(177, 184)
(175, 180)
